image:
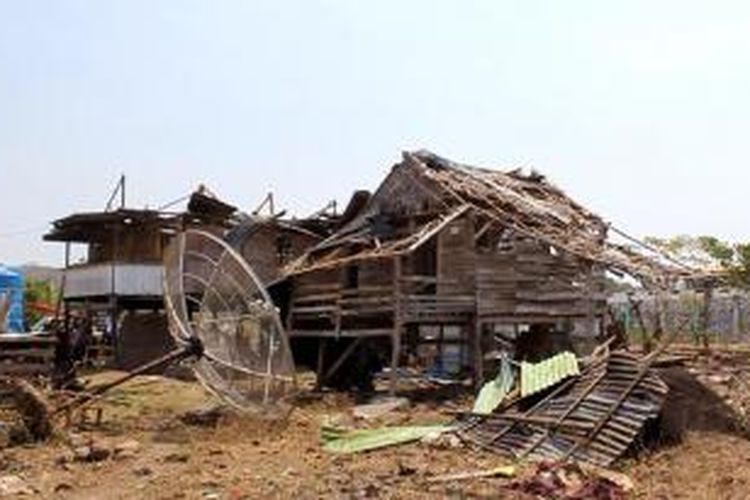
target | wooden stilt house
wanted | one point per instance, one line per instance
(442, 247)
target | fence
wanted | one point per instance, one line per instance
(728, 314)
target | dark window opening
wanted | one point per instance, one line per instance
(352, 277)
(425, 259)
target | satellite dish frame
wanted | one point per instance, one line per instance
(192, 346)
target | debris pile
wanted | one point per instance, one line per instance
(592, 417)
(553, 410)
(709, 391)
(725, 370)
(572, 481)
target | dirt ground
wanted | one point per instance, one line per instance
(148, 451)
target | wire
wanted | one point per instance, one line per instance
(651, 248)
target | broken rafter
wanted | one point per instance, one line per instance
(429, 232)
(388, 249)
(528, 205)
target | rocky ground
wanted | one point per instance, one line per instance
(151, 443)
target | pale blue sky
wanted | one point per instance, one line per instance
(640, 109)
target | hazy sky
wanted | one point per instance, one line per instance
(640, 109)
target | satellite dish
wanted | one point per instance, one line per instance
(221, 317)
(218, 309)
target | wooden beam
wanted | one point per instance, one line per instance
(708, 294)
(439, 227)
(396, 336)
(487, 225)
(478, 371)
(635, 307)
(364, 332)
(341, 359)
(321, 360)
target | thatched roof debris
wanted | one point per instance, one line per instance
(528, 204)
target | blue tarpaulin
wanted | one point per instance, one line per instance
(11, 286)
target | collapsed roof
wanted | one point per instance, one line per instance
(526, 203)
(90, 227)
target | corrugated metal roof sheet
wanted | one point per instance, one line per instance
(593, 418)
(536, 377)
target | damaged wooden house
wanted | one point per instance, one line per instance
(443, 263)
(440, 268)
(114, 296)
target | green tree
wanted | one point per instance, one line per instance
(710, 252)
(37, 293)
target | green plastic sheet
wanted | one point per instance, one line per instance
(336, 440)
(493, 392)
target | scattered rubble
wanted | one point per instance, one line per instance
(443, 440)
(572, 482)
(288, 460)
(176, 458)
(63, 487)
(91, 453)
(126, 449)
(378, 408)
(204, 417)
(558, 411)
(34, 409)
(12, 485)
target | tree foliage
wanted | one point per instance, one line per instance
(709, 252)
(37, 293)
